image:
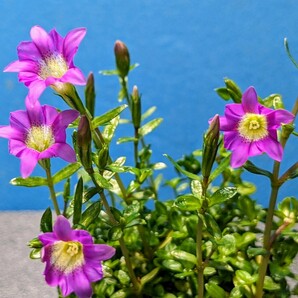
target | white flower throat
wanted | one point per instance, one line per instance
(67, 256)
(253, 127)
(40, 138)
(52, 66)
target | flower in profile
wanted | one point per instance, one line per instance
(251, 129)
(48, 60)
(72, 260)
(37, 133)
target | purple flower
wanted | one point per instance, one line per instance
(73, 262)
(48, 60)
(38, 133)
(251, 129)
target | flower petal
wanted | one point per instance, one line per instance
(61, 150)
(20, 120)
(62, 229)
(71, 43)
(10, 132)
(239, 155)
(64, 118)
(17, 66)
(272, 147)
(250, 101)
(98, 251)
(276, 117)
(48, 238)
(80, 284)
(35, 90)
(83, 236)
(57, 40)
(27, 50)
(29, 160)
(41, 40)
(74, 76)
(93, 273)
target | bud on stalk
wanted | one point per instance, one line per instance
(136, 107)
(90, 94)
(210, 147)
(84, 143)
(122, 58)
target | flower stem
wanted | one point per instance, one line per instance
(124, 250)
(200, 264)
(46, 164)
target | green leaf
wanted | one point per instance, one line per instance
(256, 251)
(220, 168)
(90, 214)
(182, 171)
(150, 126)
(35, 253)
(223, 93)
(29, 182)
(66, 172)
(110, 72)
(249, 166)
(109, 130)
(148, 113)
(196, 188)
(126, 140)
(222, 195)
(102, 182)
(270, 285)
(227, 245)
(77, 205)
(286, 44)
(212, 226)
(242, 277)
(108, 116)
(46, 224)
(188, 203)
(149, 276)
(184, 256)
(215, 291)
(115, 233)
(172, 265)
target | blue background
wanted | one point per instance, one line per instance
(185, 49)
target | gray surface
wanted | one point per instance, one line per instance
(19, 275)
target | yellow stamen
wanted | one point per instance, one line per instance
(40, 138)
(67, 256)
(253, 127)
(52, 66)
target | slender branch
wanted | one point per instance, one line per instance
(46, 164)
(200, 264)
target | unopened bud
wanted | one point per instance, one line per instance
(90, 94)
(136, 107)
(210, 146)
(103, 157)
(84, 142)
(234, 90)
(122, 58)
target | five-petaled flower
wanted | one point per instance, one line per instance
(48, 60)
(39, 132)
(251, 129)
(72, 260)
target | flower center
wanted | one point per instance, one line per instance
(253, 127)
(67, 256)
(40, 138)
(52, 66)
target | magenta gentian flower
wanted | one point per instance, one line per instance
(251, 129)
(48, 60)
(73, 262)
(38, 133)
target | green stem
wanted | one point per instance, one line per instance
(200, 264)
(268, 229)
(46, 164)
(124, 250)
